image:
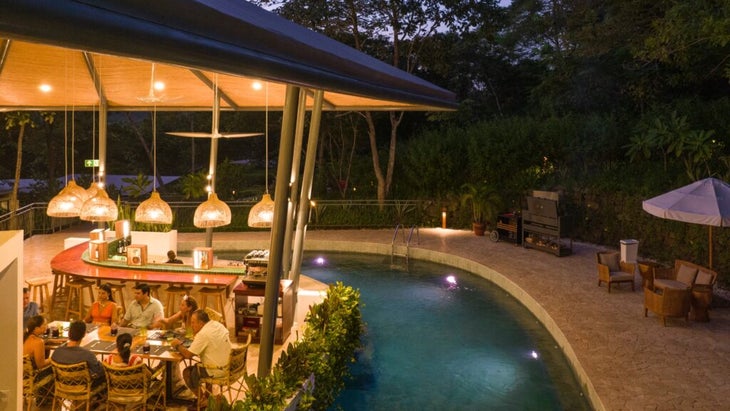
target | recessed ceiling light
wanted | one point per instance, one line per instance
(159, 85)
(256, 85)
(46, 88)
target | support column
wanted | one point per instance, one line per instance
(294, 182)
(306, 193)
(278, 226)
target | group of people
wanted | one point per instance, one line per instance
(211, 342)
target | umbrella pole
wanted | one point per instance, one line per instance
(710, 241)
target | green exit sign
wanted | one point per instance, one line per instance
(91, 163)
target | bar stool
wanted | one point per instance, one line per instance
(219, 297)
(75, 287)
(118, 291)
(39, 286)
(173, 291)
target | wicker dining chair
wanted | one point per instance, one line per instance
(73, 383)
(214, 315)
(231, 374)
(135, 385)
(37, 384)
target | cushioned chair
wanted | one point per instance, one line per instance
(612, 271)
(232, 374)
(37, 384)
(135, 386)
(73, 383)
(669, 302)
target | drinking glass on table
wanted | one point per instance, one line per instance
(146, 347)
(114, 330)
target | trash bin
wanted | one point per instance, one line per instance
(629, 250)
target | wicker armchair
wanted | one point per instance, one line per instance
(669, 302)
(135, 385)
(214, 315)
(37, 384)
(232, 373)
(613, 271)
(74, 384)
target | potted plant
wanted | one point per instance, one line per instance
(485, 202)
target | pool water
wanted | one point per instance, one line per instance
(432, 344)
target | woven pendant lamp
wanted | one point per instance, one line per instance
(99, 208)
(212, 213)
(262, 213)
(66, 203)
(154, 210)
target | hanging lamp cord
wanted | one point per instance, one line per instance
(266, 137)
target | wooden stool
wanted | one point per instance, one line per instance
(118, 291)
(173, 291)
(75, 288)
(219, 297)
(39, 286)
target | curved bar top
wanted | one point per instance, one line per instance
(70, 262)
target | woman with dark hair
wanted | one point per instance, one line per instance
(187, 306)
(124, 356)
(104, 309)
(33, 343)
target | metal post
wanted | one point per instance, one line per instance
(278, 226)
(213, 158)
(294, 182)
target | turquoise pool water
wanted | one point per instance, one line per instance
(432, 344)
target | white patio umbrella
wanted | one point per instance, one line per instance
(704, 202)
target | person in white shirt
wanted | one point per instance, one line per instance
(144, 311)
(211, 344)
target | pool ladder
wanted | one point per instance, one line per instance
(401, 249)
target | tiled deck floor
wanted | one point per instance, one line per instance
(630, 362)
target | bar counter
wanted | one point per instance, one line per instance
(72, 262)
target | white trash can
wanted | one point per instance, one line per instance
(629, 250)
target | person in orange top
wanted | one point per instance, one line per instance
(104, 309)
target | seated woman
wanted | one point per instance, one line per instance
(124, 356)
(104, 309)
(33, 343)
(187, 306)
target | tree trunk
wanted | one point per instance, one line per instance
(18, 163)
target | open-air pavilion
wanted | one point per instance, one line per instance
(103, 55)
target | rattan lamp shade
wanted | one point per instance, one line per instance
(262, 213)
(212, 213)
(154, 211)
(99, 208)
(92, 190)
(67, 203)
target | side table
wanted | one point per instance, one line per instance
(701, 299)
(646, 269)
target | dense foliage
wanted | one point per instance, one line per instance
(317, 364)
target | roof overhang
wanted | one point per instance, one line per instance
(101, 51)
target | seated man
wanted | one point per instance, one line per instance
(72, 352)
(172, 258)
(30, 308)
(211, 344)
(144, 311)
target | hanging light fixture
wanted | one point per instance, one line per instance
(99, 208)
(68, 202)
(213, 212)
(154, 210)
(262, 213)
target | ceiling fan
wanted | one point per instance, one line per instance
(151, 97)
(214, 134)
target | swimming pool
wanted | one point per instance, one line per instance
(435, 344)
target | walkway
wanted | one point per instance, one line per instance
(627, 361)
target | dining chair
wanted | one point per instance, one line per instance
(136, 385)
(37, 384)
(74, 386)
(231, 373)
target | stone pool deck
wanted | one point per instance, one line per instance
(625, 361)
